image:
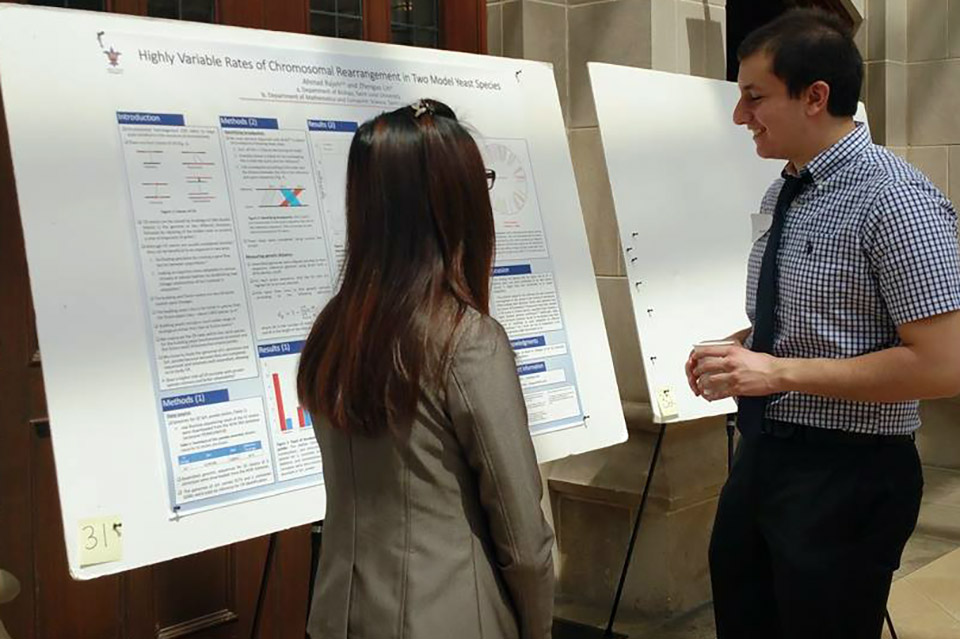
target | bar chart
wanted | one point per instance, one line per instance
(291, 427)
(285, 421)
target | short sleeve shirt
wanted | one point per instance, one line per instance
(871, 244)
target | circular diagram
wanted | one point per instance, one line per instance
(509, 194)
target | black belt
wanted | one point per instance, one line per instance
(814, 435)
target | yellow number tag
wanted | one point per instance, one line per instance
(100, 540)
(667, 404)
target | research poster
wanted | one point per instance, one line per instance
(182, 190)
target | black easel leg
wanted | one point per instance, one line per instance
(316, 537)
(636, 527)
(893, 633)
(267, 569)
(731, 427)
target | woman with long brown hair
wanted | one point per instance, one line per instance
(433, 527)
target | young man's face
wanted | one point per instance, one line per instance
(774, 118)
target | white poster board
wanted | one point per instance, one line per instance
(181, 189)
(685, 182)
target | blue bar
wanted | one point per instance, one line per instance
(196, 399)
(289, 424)
(334, 126)
(244, 122)
(218, 452)
(528, 342)
(516, 269)
(281, 348)
(162, 119)
(530, 369)
(306, 419)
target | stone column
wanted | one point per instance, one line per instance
(594, 496)
(933, 146)
(912, 93)
(532, 30)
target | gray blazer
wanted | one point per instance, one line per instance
(437, 532)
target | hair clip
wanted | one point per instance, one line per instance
(420, 107)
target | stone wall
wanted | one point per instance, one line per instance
(593, 497)
(912, 53)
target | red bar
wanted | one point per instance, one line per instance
(276, 390)
(300, 415)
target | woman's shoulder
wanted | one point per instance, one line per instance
(479, 336)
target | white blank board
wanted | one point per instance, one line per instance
(685, 182)
(112, 119)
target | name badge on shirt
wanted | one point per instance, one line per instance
(759, 224)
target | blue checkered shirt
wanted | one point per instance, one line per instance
(870, 245)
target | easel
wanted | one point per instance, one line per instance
(316, 531)
(564, 629)
(264, 582)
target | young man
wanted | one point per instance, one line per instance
(853, 296)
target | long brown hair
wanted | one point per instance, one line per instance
(420, 242)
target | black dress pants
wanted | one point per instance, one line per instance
(808, 535)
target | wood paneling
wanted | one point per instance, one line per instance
(376, 20)
(241, 13)
(210, 592)
(16, 468)
(131, 7)
(64, 607)
(463, 25)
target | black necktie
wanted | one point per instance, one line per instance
(751, 409)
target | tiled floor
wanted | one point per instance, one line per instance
(921, 550)
(925, 599)
(940, 514)
(926, 606)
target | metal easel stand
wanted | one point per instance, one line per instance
(564, 629)
(264, 582)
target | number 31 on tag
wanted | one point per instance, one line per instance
(100, 540)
